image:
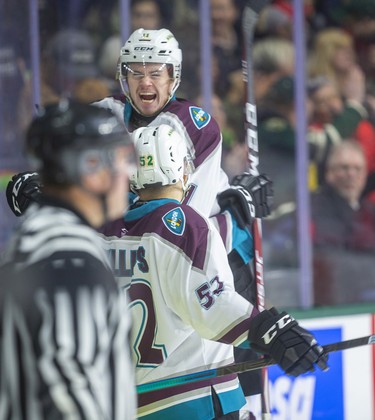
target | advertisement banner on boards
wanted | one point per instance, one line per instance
(345, 392)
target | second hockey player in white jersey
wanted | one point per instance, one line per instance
(187, 315)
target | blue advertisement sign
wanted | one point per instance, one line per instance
(317, 395)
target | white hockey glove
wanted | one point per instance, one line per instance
(294, 349)
(248, 197)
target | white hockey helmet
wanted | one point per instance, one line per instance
(150, 46)
(163, 158)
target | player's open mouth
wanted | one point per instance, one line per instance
(147, 97)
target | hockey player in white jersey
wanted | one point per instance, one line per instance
(149, 71)
(187, 315)
(64, 326)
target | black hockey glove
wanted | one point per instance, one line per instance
(248, 197)
(23, 189)
(294, 349)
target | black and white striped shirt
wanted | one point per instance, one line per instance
(64, 326)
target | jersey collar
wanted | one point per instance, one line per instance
(142, 208)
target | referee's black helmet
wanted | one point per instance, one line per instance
(64, 136)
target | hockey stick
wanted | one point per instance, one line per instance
(249, 20)
(243, 367)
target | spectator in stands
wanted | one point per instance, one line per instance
(340, 217)
(343, 230)
(68, 68)
(366, 59)
(69, 57)
(276, 138)
(333, 56)
(272, 59)
(276, 19)
(334, 119)
(276, 135)
(330, 121)
(146, 14)
(357, 17)
(226, 41)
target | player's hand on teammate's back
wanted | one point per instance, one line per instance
(294, 349)
(23, 189)
(248, 197)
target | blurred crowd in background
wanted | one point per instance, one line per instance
(80, 43)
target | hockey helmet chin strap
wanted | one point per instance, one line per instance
(185, 180)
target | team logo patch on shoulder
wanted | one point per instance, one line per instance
(200, 117)
(174, 220)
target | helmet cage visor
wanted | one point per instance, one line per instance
(93, 160)
(127, 71)
(77, 163)
(125, 68)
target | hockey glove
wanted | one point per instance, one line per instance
(294, 349)
(248, 197)
(23, 189)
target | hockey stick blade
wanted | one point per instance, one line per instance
(243, 367)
